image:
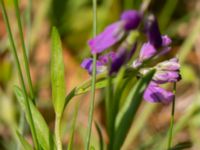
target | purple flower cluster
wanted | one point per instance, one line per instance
(117, 34)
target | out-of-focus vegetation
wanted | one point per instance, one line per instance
(180, 19)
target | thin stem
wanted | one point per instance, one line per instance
(28, 24)
(19, 71)
(57, 133)
(91, 111)
(26, 64)
(172, 119)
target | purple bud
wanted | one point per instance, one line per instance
(110, 36)
(132, 19)
(166, 41)
(153, 32)
(156, 94)
(169, 65)
(161, 77)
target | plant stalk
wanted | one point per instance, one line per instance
(57, 133)
(172, 119)
(91, 110)
(26, 62)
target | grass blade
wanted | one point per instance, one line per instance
(26, 63)
(101, 145)
(91, 109)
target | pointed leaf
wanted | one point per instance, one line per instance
(57, 73)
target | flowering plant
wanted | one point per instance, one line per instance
(126, 61)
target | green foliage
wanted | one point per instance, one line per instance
(44, 136)
(128, 111)
(57, 73)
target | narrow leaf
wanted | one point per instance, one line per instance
(128, 111)
(98, 128)
(25, 145)
(43, 134)
(57, 73)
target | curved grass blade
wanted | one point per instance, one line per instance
(128, 111)
(98, 128)
(44, 136)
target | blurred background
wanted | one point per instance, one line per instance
(180, 19)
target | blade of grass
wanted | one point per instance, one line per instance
(101, 145)
(19, 71)
(172, 118)
(26, 62)
(91, 109)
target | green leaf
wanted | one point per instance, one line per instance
(57, 73)
(25, 145)
(43, 134)
(129, 109)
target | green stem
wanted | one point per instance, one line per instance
(19, 70)
(91, 111)
(26, 64)
(57, 133)
(172, 119)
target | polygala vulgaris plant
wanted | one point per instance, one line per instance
(114, 67)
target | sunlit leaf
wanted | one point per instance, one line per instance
(57, 73)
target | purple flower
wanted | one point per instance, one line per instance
(115, 32)
(122, 57)
(146, 52)
(110, 36)
(88, 62)
(131, 19)
(167, 71)
(154, 93)
(153, 32)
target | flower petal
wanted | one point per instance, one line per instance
(156, 94)
(132, 19)
(153, 32)
(147, 51)
(110, 36)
